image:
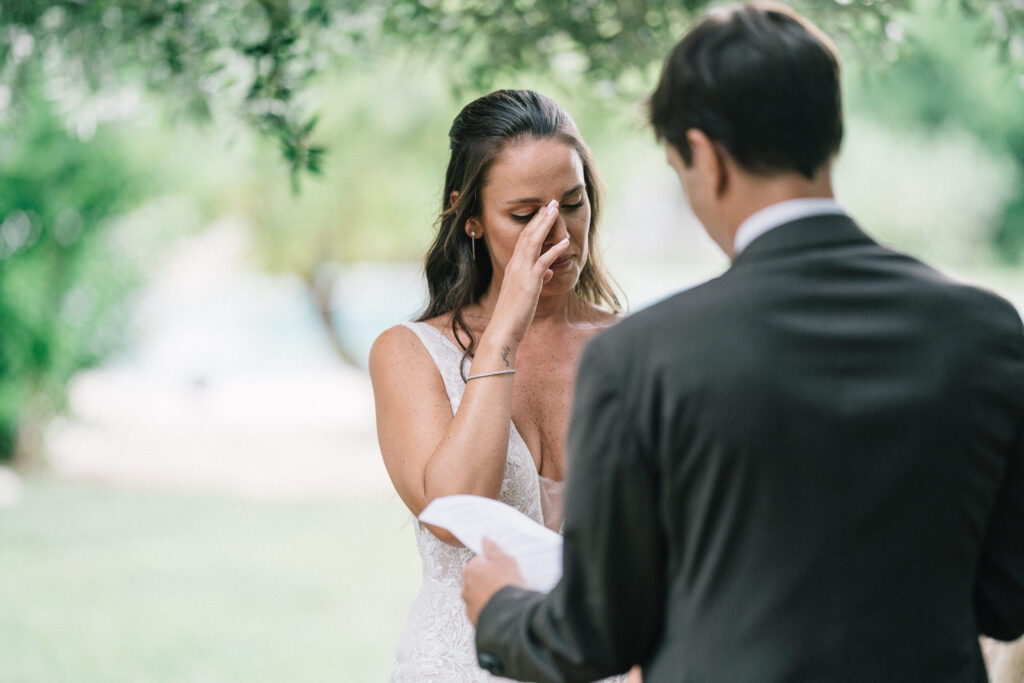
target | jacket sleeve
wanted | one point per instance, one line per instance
(999, 586)
(606, 613)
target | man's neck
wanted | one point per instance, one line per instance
(754, 193)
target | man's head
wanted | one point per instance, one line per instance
(757, 87)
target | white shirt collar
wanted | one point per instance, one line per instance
(770, 217)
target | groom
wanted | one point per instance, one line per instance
(808, 469)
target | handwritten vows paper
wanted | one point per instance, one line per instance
(537, 549)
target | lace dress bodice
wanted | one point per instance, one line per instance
(437, 642)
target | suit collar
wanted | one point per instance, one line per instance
(812, 232)
(780, 213)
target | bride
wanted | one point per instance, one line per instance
(474, 397)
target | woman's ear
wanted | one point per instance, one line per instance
(473, 226)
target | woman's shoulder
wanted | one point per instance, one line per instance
(412, 340)
(397, 343)
(470, 325)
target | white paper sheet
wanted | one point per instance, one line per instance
(537, 549)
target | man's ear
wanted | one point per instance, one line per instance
(709, 160)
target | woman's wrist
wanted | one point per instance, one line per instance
(495, 353)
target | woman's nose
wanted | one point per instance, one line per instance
(558, 231)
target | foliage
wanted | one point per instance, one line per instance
(948, 77)
(263, 61)
(259, 58)
(61, 277)
(258, 55)
(255, 54)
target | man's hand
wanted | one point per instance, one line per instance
(485, 575)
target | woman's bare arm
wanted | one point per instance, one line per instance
(427, 451)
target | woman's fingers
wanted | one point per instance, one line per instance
(549, 257)
(532, 237)
(528, 270)
(552, 254)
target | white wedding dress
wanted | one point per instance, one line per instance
(437, 643)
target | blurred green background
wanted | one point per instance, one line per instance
(208, 210)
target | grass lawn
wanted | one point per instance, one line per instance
(99, 584)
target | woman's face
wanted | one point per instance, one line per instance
(526, 176)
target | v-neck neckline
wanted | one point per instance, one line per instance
(515, 430)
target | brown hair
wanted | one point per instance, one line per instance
(759, 79)
(479, 133)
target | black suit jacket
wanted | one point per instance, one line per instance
(808, 469)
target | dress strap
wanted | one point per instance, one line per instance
(447, 357)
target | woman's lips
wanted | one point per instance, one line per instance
(562, 262)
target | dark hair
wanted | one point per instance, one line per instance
(479, 133)
(760, 80)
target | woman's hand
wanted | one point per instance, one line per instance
(525, 275)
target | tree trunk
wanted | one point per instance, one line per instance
(321, 285)
(29, 441)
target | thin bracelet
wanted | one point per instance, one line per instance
(489, 374)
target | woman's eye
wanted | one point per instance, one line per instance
(528, 217)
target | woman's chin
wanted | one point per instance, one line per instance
(561, 283)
